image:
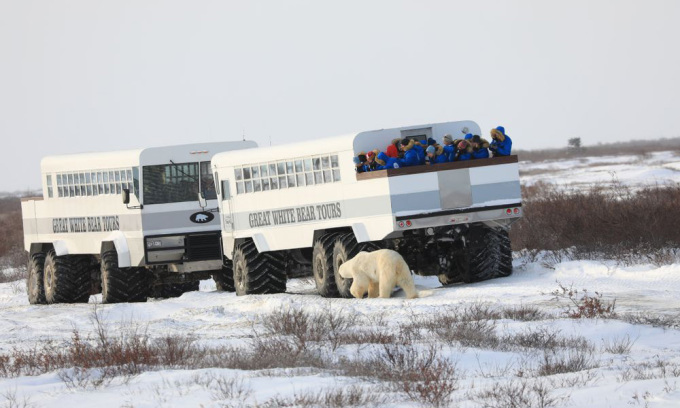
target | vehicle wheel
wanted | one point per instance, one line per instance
(224, 278)
(173, 290)
(322, 265)
(258, 273)
(122, 284)
(489, 254)
(35, 286)
(345, 248)
(66, 279)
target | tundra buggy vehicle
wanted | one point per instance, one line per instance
(158, 240)
(304, 206)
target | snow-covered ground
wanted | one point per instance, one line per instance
(584, 172)
(223, 318)
(646, 375)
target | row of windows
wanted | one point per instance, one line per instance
(287, 174)
(93, 183)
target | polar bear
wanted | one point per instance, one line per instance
(378, 272)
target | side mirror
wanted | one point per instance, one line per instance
(126, 196)
(201, 200)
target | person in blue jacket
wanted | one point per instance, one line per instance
(463, 151)
(411, 156)
(449, 147)
(480, 147)
(501, 145)
(386, 162)
(420, 149)
(436, 154)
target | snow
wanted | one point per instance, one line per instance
(216, 318)
(219, 318)
(634, 171)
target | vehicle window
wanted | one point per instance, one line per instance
(207, 182)
(170, 183)
(225, 190)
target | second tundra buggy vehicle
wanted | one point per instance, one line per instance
(304, 206)
(158, 240)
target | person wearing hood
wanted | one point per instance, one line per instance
(411, 156)
(463, 150)
(360, 162)
(480, 147)
(393, 149)
(448, 147)
(370, 164)
(501, 144)
(436, 154)
(420, 149)
(386, 162)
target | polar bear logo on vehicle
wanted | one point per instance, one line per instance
(201, 217)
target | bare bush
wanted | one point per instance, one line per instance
(570, 361)
(227, 389)
(519, 394)
(523, 313)
(621, 345)
(615, 222)
(303, 327)
(472, 325)
(352, 396)
(95, 361)
(424, 375)
(650, 370)
(12, 237)
(544, 339)
(652, 319)
(580, 304)
(12, 400)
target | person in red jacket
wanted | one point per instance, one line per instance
(393, 149)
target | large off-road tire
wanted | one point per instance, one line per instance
(122, 284)
(488, 255)
(35, 285)
(173, 290)
(258, 273)
(224, 278)
(322, 265)
(66, 279)
(346, 247)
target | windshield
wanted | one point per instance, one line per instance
(178, 182)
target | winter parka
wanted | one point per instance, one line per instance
(449, 151)
(482, 151)
(392, 149)
(439, 156)
(386, 162)
(421, 152)
(501, 145)
(411, 157)
(464, 154)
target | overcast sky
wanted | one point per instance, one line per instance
(79, 76)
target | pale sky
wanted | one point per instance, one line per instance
(91, 75)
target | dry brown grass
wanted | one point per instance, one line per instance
(617, 223)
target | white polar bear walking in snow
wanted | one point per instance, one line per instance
(378, 272)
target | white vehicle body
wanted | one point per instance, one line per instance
(82, 213)
(328, 195)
